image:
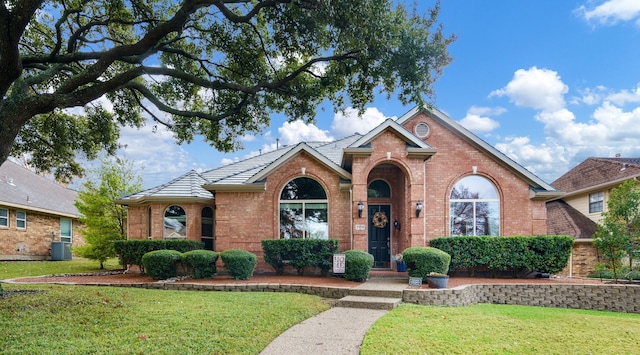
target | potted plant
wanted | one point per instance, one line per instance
(437, 280)
(400, 265)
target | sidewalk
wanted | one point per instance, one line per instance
(336, 331)
(339, 330)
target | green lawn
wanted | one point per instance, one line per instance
(12, 269)
(502, 329)
(54, 319)
(112, 320)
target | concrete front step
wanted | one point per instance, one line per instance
(367, 302)
(368, 292)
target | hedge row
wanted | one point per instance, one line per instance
(300, 253)
(549, 254)
(164, 264)
(130, 252)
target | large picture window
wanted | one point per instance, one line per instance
(175, 221)
(303, 210)
(474, 207)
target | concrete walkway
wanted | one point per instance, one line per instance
(336, 331)
(339, 330)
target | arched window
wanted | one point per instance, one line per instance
(379, 189)
(474, 207)
(303, 210)
(206, 227)
(175, 220)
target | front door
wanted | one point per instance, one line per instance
(380, 235)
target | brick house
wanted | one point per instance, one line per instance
(34, 212)
(402, 184)
(577, 211)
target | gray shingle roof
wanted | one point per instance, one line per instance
(597, 172)
(187, 185)
(242, 171)
(23, 189)
(562, 219)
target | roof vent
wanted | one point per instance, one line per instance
(624, 167)
(10, 182)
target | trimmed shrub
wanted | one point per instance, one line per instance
(161, 264)
(200, 263)
(522, 254)
(300, 253)
(358, 264)
(421, 261)
(130, 251)
(240, 263)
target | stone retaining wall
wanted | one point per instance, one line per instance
(322, 291)
(618, 298)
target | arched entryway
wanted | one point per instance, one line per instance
(386, 196)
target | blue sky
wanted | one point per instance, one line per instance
(547, 82)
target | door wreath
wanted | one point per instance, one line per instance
(379, 220)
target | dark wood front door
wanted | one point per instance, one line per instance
(380, 235)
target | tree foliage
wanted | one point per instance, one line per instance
(618, 235)
(105, 221)
(216, 68)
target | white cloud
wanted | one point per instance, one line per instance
(348, 123)
(590, 96)
(480, 111)
(624, 96)
(611, 129)
(545, 160)
(611, 12)
(297, 131)
(540, 89)
(478, 124)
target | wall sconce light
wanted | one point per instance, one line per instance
(53, 235)
(418, 208)
(360, 209)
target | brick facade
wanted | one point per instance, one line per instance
(244, 219)
(33, 242)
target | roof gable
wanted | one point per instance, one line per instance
(395, 127)
(295, 151)
(539, 187)
(23, 189)
(597, 173)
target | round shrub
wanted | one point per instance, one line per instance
(161, 264)
(200, 263)
(239, 263)
(421, 261)
(357, 265)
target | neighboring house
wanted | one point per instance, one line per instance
(402, 184)
(586, 190)
(34, 211)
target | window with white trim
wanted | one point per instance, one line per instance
(304, 210)
(596, 202)
(474, 207)
(66, 230)
(21, 219)
(4, 217)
